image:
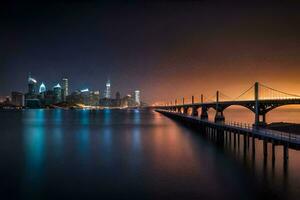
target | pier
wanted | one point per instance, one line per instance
(264, 99)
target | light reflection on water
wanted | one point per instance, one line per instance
(115, 153)
(34, 143)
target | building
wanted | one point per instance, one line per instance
(128, 101)
(74, 98)
(94, 98)
(31, 85)
(17, 99)
(85, 96)
(118, 95)
(65, 88)
(31, 98)
(57, 93)
(107, 93)
(42, 88)
(137, 97)
(49, 98)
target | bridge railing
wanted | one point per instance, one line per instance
(288, 137)
(266, 132)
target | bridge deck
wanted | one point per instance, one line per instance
(278, 137)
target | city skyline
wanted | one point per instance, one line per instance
(59, 96)
(218, 46)
(159, 99)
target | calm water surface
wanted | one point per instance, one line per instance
(57, 154)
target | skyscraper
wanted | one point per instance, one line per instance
(31, 85)
(118, 95)
(107, 91)
(65, 88)
(57, 93)
(137, 97)
(42, 88)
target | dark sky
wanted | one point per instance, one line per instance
(166, 49)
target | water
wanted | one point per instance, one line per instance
(119, 154)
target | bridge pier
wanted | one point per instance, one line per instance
(234, 140)
(265, 148)
(273, 154)
(285, 152)
(194, 112)
(219, 117)
(185, 110)
(245, 144)
(253, 146)
(204, 114)
(260, 115)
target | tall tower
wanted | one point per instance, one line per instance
(57, 93)
(65, 88)
(137, 97)
(42, 88)
(31, 85)
(107, 91)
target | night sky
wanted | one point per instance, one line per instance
(166, 49)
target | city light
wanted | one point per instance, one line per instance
(84, 90)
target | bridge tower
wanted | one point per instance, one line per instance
(204, 114)
(194, 108)
(219, 111)
(185, 109)
(260, 114)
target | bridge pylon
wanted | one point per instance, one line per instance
(219, 117)
(260, 114)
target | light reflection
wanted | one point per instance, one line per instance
(34, 147)
(34, 138)
(57, 135)
(136, 138)
(136, 117)
(83, 136)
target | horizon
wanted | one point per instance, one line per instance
(196, 46)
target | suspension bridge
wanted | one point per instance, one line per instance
(259, 98)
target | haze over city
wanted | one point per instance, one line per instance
(199, 46)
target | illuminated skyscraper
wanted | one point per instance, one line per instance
(57, 93)
(137, 97)
(107, 91)
(42, 88)
(65, 88)
(31, 85)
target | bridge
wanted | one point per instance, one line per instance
(259, 98)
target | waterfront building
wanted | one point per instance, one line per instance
(49, 98)
(57, 93)
(107, 93)
(65, 88)
(17, 99)
(31, 98)
(118, 95)
(42, 88)
(85, 96)
(137, 97)
(31, 85)
(128, 101)
(94, 98)
(74, 98)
